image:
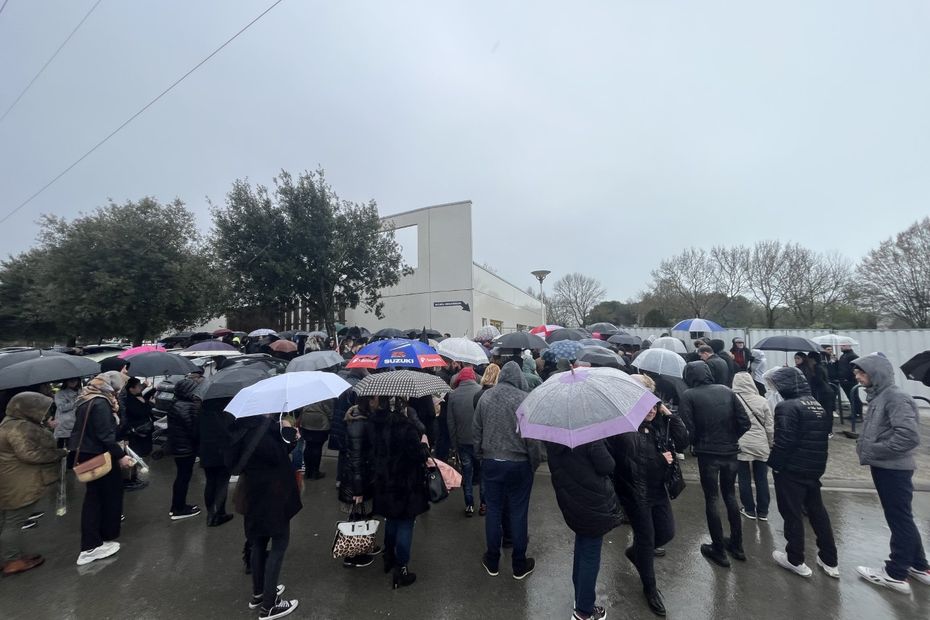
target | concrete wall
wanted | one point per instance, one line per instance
(502, 304)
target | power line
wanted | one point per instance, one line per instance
(137, 114)
(49, 61)
(3, 6)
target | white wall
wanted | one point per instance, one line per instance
(495, 299)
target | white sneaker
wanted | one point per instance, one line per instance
(831, 571)
(879, 577)
(923, 576)
(781, 558)
(103, 551)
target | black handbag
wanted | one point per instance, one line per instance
(435, 485)
(674, 479)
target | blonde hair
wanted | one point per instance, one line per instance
(647, 382)
(491, 373)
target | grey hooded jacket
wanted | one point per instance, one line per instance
(494, 430)
(889, 435)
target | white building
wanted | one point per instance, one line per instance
(447, 290)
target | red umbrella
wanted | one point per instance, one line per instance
(283, 346)
(146, 348)
(219, 333)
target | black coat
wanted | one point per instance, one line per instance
(639, 475)
(720, 370)
(669, 389)
(267, 489)
(137, 425)
(346, 400)
(712, 413)
(215, 432)
(100, 434)
(183, 428)
(399, 464)
(358, 471)
(844, 367)
(583, 488)
(802, 428)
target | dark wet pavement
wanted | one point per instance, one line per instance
(184, 570)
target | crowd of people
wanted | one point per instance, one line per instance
(737, 417)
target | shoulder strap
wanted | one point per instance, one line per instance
(752, 411)
(77, 453)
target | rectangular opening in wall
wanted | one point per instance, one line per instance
(408, 240)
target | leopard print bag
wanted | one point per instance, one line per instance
(354, 537)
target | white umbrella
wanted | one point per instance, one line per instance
(195, 354)
(660, 361)
(834, 340)
(258, 333)
(669, 344)
(286, 392)
(462, 350)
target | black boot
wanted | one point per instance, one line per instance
(389, 561)
(402, 577)
(656, 604)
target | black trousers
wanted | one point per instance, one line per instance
(718, 478)
(794, 496)
(266, 565)
(896, 493)
(216, 489)
(313, 449)
(182, 481)
(102, 509)
(653, 526)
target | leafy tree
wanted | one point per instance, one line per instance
(21, 303)
(895, 277)
(615, 312)
(655, 318)
(301, 245)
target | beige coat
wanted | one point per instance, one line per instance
(754, 445)
(29, 458)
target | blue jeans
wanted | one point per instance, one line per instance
(467, 458)
(398, 537)
(896, 492)
(297, 456)
(507, 482)
(585, 567)
(760, 475)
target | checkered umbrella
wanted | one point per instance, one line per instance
(404, 383)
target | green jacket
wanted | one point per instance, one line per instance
(29, 458)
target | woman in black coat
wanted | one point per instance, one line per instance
(267, 496)
(642, 462)
(215, 433)
(183, 435)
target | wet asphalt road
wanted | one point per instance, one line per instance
(184, 570)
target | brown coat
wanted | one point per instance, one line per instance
(29, 458)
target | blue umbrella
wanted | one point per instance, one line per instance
(563, 349)
(396, 353)
(698, 325)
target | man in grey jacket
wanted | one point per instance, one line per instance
(460, 415)
(507, 465)
(887, 444)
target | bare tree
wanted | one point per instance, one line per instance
(578, 294)
(765, 275)
(731, 268)
(813, 282)
(691, 280)
(896, 276)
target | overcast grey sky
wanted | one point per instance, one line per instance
(592, 136)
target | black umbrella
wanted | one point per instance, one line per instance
(599, 356)
(388, 333)
(158, 363)
(416, 333)
(15, 357)
(604, 329)
(787, 343)
(625, 340)
(568, 334)
(918, 368)
(226, 382)
(46, 369)
(520, 340)
(355, 332)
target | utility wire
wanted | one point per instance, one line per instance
(49, 61)
(3, 6)
(137, 114)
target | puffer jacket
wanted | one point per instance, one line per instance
(29, 458)
(65, 401)
(318, 416)
(639, 475)
(357, 474)
(754, 445)
(183, 425)
(583, 489)
(890, 435)
(712, 413)
(802, 427)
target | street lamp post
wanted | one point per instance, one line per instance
(540, 275)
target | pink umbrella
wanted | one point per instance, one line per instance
(146, 348)
(543, 331)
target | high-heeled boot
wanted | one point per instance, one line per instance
(403, 577)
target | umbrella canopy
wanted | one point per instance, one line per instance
(315, 360)
(563, 349)
(258, 333)
(227, 382)
(835, 340)
(487, 332)
(604, 329)
(670, 344)
(787, 343)
(219, 333)
(625, 340)
(354, 332)
(283, 346)
(15, 357)
(46, 369)
(396, 353)
(195, 353)
(599, 356)
(404, 383)
(594, 342)
(463, 350)
(567, 334)
(146, 348)
(286, 392)
(430, 333)
(583, 405)
(918, 368)
(661, 362)
(543, 331)
(697, 325)
(209, 345)
(388, 333)
(159, 363)
(318, 334)
(520, 340)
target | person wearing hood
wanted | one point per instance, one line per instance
(507, 465)
(642, 462)
(798, 459)
(460, 416)
(887, 444)
(29, 465)
(716, 420)
(719, 369)
(183, 437)
(740, 354)
(757, 368)
(589, 505)
(65, 399)
(754, 448)
(96, 421)
(357, 474)
(529, 373)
